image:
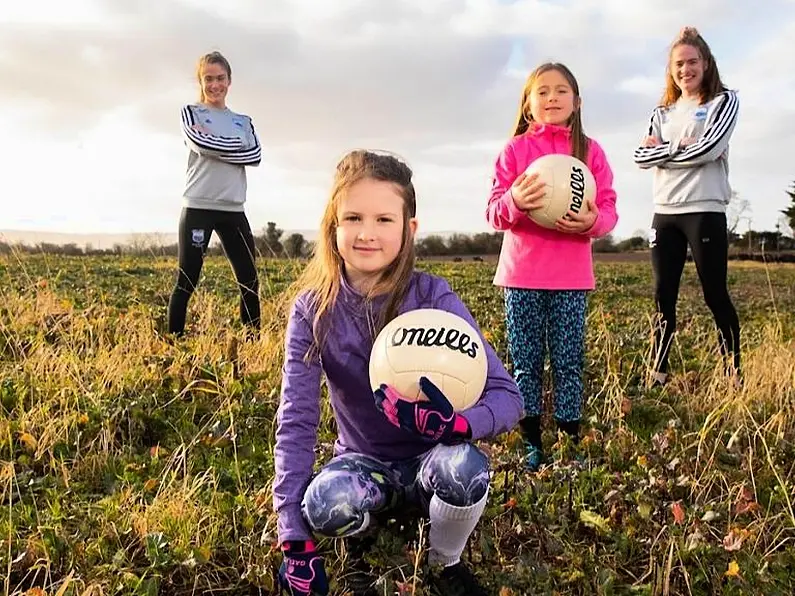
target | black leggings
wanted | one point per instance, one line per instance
(708, 239)
(195, 228)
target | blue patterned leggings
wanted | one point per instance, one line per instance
(346, 496)
(553, 319)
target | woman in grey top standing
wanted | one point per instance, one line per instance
(221, 143)
(687, 145)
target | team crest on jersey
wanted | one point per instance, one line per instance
(197, 236)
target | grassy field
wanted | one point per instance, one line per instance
(131, 463)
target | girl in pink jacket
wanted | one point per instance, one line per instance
(547, 273)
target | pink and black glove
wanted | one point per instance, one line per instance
(434, 419)
(302, 572)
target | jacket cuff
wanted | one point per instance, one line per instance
(514, 213)
(481, 421)
(291, 525)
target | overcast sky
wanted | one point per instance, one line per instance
(92, 90)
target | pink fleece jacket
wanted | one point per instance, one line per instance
(533, 257)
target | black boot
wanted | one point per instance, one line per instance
(571, 428)
(530, 427)
(456, 580)
(357, 575)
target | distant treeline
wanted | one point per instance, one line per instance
(270, 243)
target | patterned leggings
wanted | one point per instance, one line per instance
(554, 319)
(352, 489)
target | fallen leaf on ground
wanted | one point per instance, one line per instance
(734, 540)
(679, 512)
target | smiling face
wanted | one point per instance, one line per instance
(687, 69)
(370, 229)
(552, 100)
(214, 80)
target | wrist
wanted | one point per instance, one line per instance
(513, 199)
(461, 427)
(296, 547)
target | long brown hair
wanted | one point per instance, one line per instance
(524, 118)
(711, 84)
(322, 277)
(211, 58)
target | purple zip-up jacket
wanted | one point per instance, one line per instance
(361, 427)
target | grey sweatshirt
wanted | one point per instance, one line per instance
(695, 178)
(221, 143)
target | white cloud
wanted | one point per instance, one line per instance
(641, 85)
(438, 82)
(54, 14)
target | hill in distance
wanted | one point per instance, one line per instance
(143, 239)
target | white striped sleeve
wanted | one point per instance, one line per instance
(649, 157)
(717, 134)
(204, 143)
(251, 156)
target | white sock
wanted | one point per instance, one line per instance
(450, 529)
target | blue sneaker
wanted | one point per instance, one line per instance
(534, 458)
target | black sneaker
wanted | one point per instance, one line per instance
(357, 581)
(357, 577)
(456, 580)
